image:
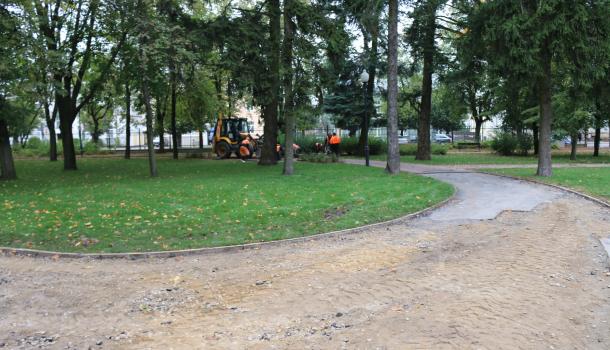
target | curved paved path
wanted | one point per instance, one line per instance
(506, 265)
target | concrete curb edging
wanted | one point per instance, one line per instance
(6, 251)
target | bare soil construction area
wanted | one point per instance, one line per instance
(534, 279)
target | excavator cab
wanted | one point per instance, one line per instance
(229, 134)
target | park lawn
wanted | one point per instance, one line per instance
(487, 157)
(593, 181)
(111, 205)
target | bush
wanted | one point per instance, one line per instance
(508, 144)
(94, 148)
(411, 149)
(35, 147)
(505, 143)
(525, 144)
(318, 158)
(377, 146)
(35, 143)
(468, 145)
(486, 144)
(307, 143)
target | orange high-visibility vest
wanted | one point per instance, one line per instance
(335, 140)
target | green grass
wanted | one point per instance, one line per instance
(594, 181)
(196, 203)
(486, 157)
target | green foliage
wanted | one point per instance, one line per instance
(91, 147)
(525, 142)
(448, 112)
(411, 149)
(349, 146)
(307, 144)
(487, 144)
(507, 144)
(34, 143)
(504, 143)
(36, 148)
(198, 103)
(318, 158)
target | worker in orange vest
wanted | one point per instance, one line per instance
(334, 142)
(245, 149)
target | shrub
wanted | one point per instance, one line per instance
(34, 143)
(505, 143)
(35, 147)
(91, 147)
(411, 149)
(377, 146)
(349, 145)
(307, 143)
(525, 144)
(486, 144)
(318, 158)
(468, 145)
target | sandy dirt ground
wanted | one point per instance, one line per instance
(523, 280)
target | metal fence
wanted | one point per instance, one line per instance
(138, 140)
(463, 135)
(138, 137)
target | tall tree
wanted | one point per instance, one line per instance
(535, 38)
(74, 38)
(146, 48)
(421, 37)
(271, 105)
(393, 164)
(289, 116)
(11, 69)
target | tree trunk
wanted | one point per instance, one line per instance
(50, 118)
(596, 141)
(574, 141)
(478, 123)
(535, 132)
(268, 156)
(289, 117)
(598, 131)
(173, 118)
(423, 131)
(127, 121)
(200, 139)
(393, 164)
(66, 118)
(585, 136)
(160, 117)
(152, 161)
(7, 165)
(95, 135)
(52, 144)
(545, 94)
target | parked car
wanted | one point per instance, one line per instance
(442, 138)
(403, 140)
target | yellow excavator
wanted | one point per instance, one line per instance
(232, 135)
